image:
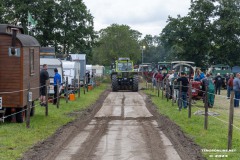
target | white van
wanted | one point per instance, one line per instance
(71, 69)
(53, 63)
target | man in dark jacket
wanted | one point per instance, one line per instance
(43, 78)
(218, 83)
(183, 79)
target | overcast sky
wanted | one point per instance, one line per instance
(145, 16)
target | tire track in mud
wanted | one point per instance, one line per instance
(183, 144)
(51, 147)
(118, 137)
(92, 140)
(122, 108)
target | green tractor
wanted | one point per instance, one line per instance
(123, 75)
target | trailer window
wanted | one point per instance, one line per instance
(31, 61)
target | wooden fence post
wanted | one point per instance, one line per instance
(206, 109)
(66, 91)
(172, 93)
(167, 89)
(87, 84)
(46, 98)
(190, 100)
(84, 85)
(57, 94)
(162, 87)
(180, 100)
(29, 99)
(230, 125)
(74, 84)
(79, 86)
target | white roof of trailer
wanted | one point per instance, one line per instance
(78, 56)
(68, 64)
(50, 61)
(97, 66)
(183, 62)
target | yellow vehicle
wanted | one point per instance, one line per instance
(123, 75)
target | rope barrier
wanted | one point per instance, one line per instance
(4, 117)
(21, 90)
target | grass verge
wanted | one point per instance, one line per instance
(15, 138)
(214, 140)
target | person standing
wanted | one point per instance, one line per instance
(176, 87)
(218, 83)
(170, 79)
(154, 79)
(199, 75)
(87, 77)
(236, 88)
(225, 81)
(208, 82)
(229, 85)
(56, 82)
(159, 77)
(44, 76)
(184, 90)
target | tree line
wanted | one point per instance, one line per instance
(66, 25)
(208, 34)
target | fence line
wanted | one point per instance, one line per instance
(238, 128)
(23, 110)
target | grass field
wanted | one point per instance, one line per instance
(15, 138)
(215, 139)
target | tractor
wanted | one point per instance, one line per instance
(123, 75)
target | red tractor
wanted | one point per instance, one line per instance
(189, 69)
(196, 90)
(147, 70)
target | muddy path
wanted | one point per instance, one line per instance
(120, 125)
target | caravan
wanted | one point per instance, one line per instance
(81, 58)
(98, 70)
(53, 63)
(71, 69)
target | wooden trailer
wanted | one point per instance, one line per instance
(19, 70)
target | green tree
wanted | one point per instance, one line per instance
(117, 41)
(174, 37)
(189, 37)
(154, 51)
(66, 25)
(227, 32)
(199, 45)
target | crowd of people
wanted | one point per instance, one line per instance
(209, 82)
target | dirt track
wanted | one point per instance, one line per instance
(121, 125)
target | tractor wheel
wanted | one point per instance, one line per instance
(7, 113)
(20, 116)
(135, 83)
(114, 83)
